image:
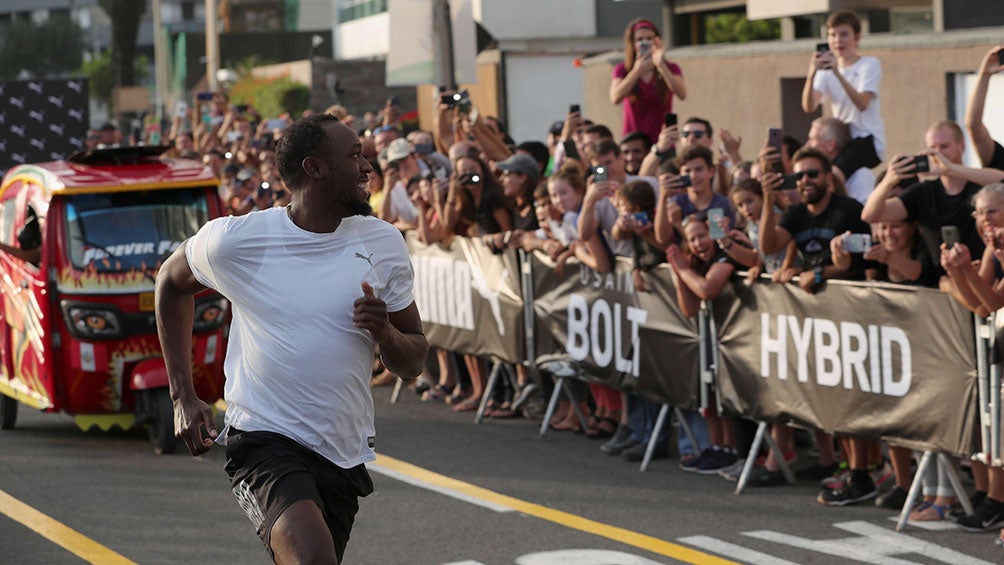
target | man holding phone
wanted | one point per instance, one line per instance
(599, 211)
(850, 82)
(696, 165)
(941, 201)
(820, 217)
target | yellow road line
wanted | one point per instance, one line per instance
(59, 534)
(642, 541)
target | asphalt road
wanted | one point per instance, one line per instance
(447, 492)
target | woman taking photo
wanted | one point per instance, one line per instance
(645, 82)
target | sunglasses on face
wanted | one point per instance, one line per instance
(698, 134)
(811, 173)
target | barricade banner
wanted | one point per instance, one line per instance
(638, 342)
(469, 299)
(870, 360)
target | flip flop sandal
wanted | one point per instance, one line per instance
(601, 431)
(469, 405)
(930, 513)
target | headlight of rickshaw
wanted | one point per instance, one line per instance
(210, 314)
(86, 321)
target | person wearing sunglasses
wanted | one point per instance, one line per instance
(820, 217)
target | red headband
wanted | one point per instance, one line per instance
(640, 25)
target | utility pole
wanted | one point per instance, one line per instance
(159, 62)
(212, 44)
(443, 41)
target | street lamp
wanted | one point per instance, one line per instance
(226, 78)
(315, 41)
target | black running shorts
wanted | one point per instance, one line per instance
(269, 472)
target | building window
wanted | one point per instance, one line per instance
(356, 9)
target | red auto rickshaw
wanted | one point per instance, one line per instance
(79, 333)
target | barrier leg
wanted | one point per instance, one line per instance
(397, 391)
(493, 378)
(983, 335)
(995, 415)
(653, 441)
(761, 431)
(552, 404)
(686, 428)
(953, 477)
(918, 478)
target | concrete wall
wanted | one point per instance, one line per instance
(738, 87)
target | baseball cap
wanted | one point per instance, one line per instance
(556, 127)
(520, 163)
(399, 149)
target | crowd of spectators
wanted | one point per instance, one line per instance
(682, 194)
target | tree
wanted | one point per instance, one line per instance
(98, 71)
(49, 49)
(733, 27)
(125, 16)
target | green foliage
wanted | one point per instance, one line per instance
(733, 27)
(50, 49)
(271, 96)
(99, 73)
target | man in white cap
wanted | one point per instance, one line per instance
(402, 164)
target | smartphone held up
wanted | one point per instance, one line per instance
(857, 242)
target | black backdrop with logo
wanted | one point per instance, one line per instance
(41, 120)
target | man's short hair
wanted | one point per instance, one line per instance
(669, 166)
(844, 17)
(638, 136)
(703, 122)
(950, 126)
(791, 145)
(604, 146)
(813, 153)
(640, 193)
(832, 129)
(600, 130)
(303, 138)
(695, 152)
(537, 150)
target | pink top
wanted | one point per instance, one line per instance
(646, 112)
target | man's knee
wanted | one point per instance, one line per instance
(300, 535)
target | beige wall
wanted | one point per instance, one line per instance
(738, 87)
(484, 94)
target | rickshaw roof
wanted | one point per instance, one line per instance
(114, 170)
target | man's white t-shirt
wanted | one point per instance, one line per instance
(860, 184)
(865, 75)
(401, 206)
(296, 365)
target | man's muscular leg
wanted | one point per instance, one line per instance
(300, 535)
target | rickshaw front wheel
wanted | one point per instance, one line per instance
(160, 420)
(8, 412)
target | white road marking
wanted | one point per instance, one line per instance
(875, 544)
(583, 557)
(733, 551)
(435, 488)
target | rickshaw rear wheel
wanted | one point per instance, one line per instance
(8, 412)
(160, 422)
